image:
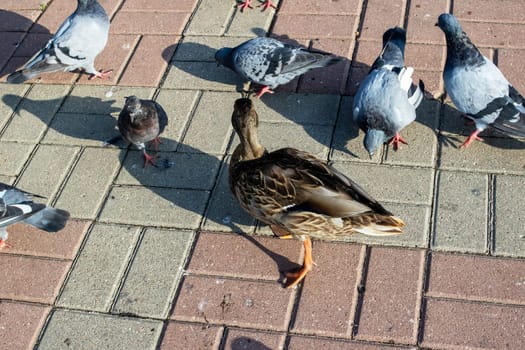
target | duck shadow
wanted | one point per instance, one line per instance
(243, 343)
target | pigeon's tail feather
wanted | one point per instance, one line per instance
(19, 77)
(34, 68)
(328, 61)
(49, 219)
(514, 126)
(416, 94)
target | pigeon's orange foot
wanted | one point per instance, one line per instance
(396, 140)
(245, 4)
(156, 142)
(472, 137)
(149, 159)
(267, 4)
(4, 244)
(101, 75)
(264, 90)
(293, 278)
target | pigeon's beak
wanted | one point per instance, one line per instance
(436, 24)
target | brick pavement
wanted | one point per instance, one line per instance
(154, 259)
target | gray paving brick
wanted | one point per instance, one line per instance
(178, 104)
(158, 206)
(35, 112)
(211, 18)
(13, 156)
(461, 210)
(11, 97)
(89, 182)
(47, 169)
(78, 330)
(154, 274)
(90, 287)
(251, 23)
(87, 99)
(509, 235)
(81, 129)
(392, 184)
(202, 76)
(7, 179)
(224, 213)
(189, 171)
(210, 129)
(203, 48)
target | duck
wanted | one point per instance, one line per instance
(299, 195)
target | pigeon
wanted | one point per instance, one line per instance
(142, 121)
(477, 87)
(77, 42)
(297, 194)
(266, 4)
(270, 63)
(16, 206)
(386, 100)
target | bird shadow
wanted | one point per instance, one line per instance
(243, 343)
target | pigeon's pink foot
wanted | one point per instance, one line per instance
(4, 244)
(149, 159)
(156, 142)
(267, 4)
(396, 140)
(101, 75)
(472, 137)
(264, 90)
(245, 4)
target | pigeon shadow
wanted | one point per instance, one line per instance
(244, 343)
(17, 45)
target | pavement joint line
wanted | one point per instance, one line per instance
(491, 213)
(426, 265)
(191, 115)
(475, 301)
(361, 287)
(66, 177)
(15, 110)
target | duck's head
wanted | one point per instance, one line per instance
(245, 122)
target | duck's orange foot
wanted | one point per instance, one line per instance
(294, 277)
(101, 75)
(396, 140)
(471, 138)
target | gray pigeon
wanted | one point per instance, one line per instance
(386, 100)
(16, 205)
(477, 87)
(77, 42)
(142, 121)
(269, 62)
(266, 4)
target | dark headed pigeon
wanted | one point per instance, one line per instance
(142, 121)
(16, 205)
(75, 45)
(269, 62)
(477, 87)
(386, 100)
(266, 4)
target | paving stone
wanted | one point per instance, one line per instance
(393, 184)
(426, 57)
(509, 63)
(495, 155)
(142, 22)
(101, 99)
(356, 76)
(81, 129)
(90, 287)
(34, 113)
(154, 273)
(461, 212)
(330, 7)
(11, 97)
(31, 44)
(31, 279)
(54, 15)
(379, 15)
(491, 34)
(210, 129)
(310, 343)
(189, 170)
(251, 23)
(183, 336)
(13, 156)
(488, 11)
(173, 207)
(88, 183)
(458, 324)
(28, 240)
(433, 82)
(477, 278)
(244, 339)
(202, 76)
(210, 18)
(509, 236)
(315, 26)
(20, 324)
(243, 256)
(17, 20)
(147, 66)
(224, 213)
(391, 316)
(47, 169)
(365, 53)
(421, 137)
(329, 294)
(218, 300)
(17, 4)
(72, 329)
(422, 17)
(147, 5)
(8, 180)
(203, 48)
(7, 47)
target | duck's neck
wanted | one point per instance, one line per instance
(249, 148)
